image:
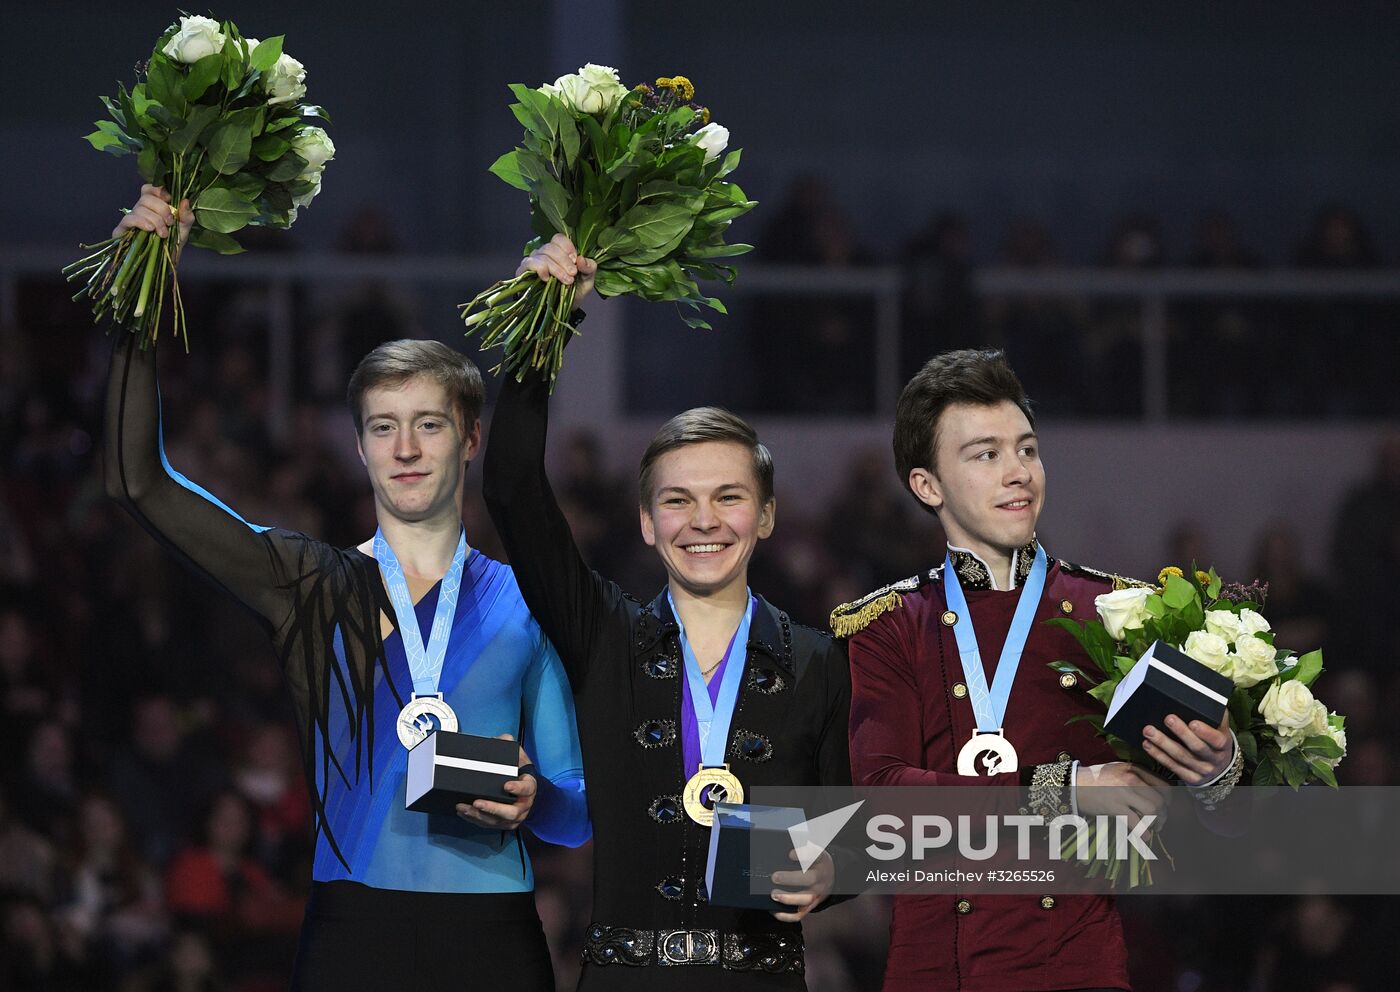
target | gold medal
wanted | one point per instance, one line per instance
(716, 784)
(987, 754)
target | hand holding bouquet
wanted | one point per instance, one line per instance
(635, 180)
(1284, 733)
(219, 120)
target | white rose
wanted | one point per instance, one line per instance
(1224, 623)
(314, 145)
(1339, 737)
(714, 138)
(549, 89)
(1253, 623)
(592, 90)
(196, 38)
(1254, 661)
(285, 82)
(1120, 611)
(305, 199)
(1210, 650)
(1288, 707)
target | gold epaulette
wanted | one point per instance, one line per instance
(1118, 581)
(851, 618)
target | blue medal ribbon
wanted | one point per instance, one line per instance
(424, 664)
(712, 719)
(989, 707)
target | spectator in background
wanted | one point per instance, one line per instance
(1220, 334)
(1113, 348)
(1298, 603)
(1347, 346)
(107, 894)
(268, 777)
(940, 310)
(27, 861)
(161, 779)
(1366, 556)
(45, 796)
(219, 883)
(1042, 335)
(832, 335)
(189, 966)
(1323, 944)
(39, 954)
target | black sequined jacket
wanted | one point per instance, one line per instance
(624, 661)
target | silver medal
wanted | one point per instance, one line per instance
(987, 754)
(422, 716)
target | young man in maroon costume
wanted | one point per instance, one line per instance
(966, 448)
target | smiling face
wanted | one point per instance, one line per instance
(705, 515)
(415, 450)
(987, 482)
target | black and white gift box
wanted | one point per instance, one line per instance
(446, 768)
(747, 844)
(1163, 682)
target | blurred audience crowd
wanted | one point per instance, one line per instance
(154, 827)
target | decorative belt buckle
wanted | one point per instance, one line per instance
(688, 947)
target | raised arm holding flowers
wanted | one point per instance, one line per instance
(219, 122)
(634, 179)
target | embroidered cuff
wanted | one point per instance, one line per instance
(1048, 795)
(1210, 794)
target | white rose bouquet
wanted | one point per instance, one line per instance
(1285, 735)
(635, 177)
(218, 119)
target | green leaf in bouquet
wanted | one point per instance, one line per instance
(719, 251)
(697, 323)
(165, 84)
(234, 68)
(1267, 773)
(569, 139)
(245, 184)
(1323, 771)
(1123, 663)
(1323, 746)
(229, 146)
(1241, 707)
(223, 211)
(118, 132)
(169, 121)
(105, 141)
(269, 147)
(311, 110)
(597, 139)
(655, 226)
(1295, 769)
(280, 124)
(507, 168)
(267, 53)
(616, 240)
(592, 220)
(200, 117)
(1249, 747)
(554, 203)
(1213, 586)
(1155, 607)
(1070, 667)
(645, 256)
(729, 163)
(301, 187)
(539, 117)
(276, 198)
(203, 74)
(1307, 669)
(289, 166)
(150, 165)
(221, 243)
(613, 282)
(1178, 593)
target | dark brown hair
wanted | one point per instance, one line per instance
(979, 378)
(695, 426)
(395, 362)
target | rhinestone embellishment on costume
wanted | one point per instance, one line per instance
(665, 809)
(656, 733)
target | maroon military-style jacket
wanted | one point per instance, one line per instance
(909, 717)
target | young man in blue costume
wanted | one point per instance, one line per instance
(707, 685)
(380, 644)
